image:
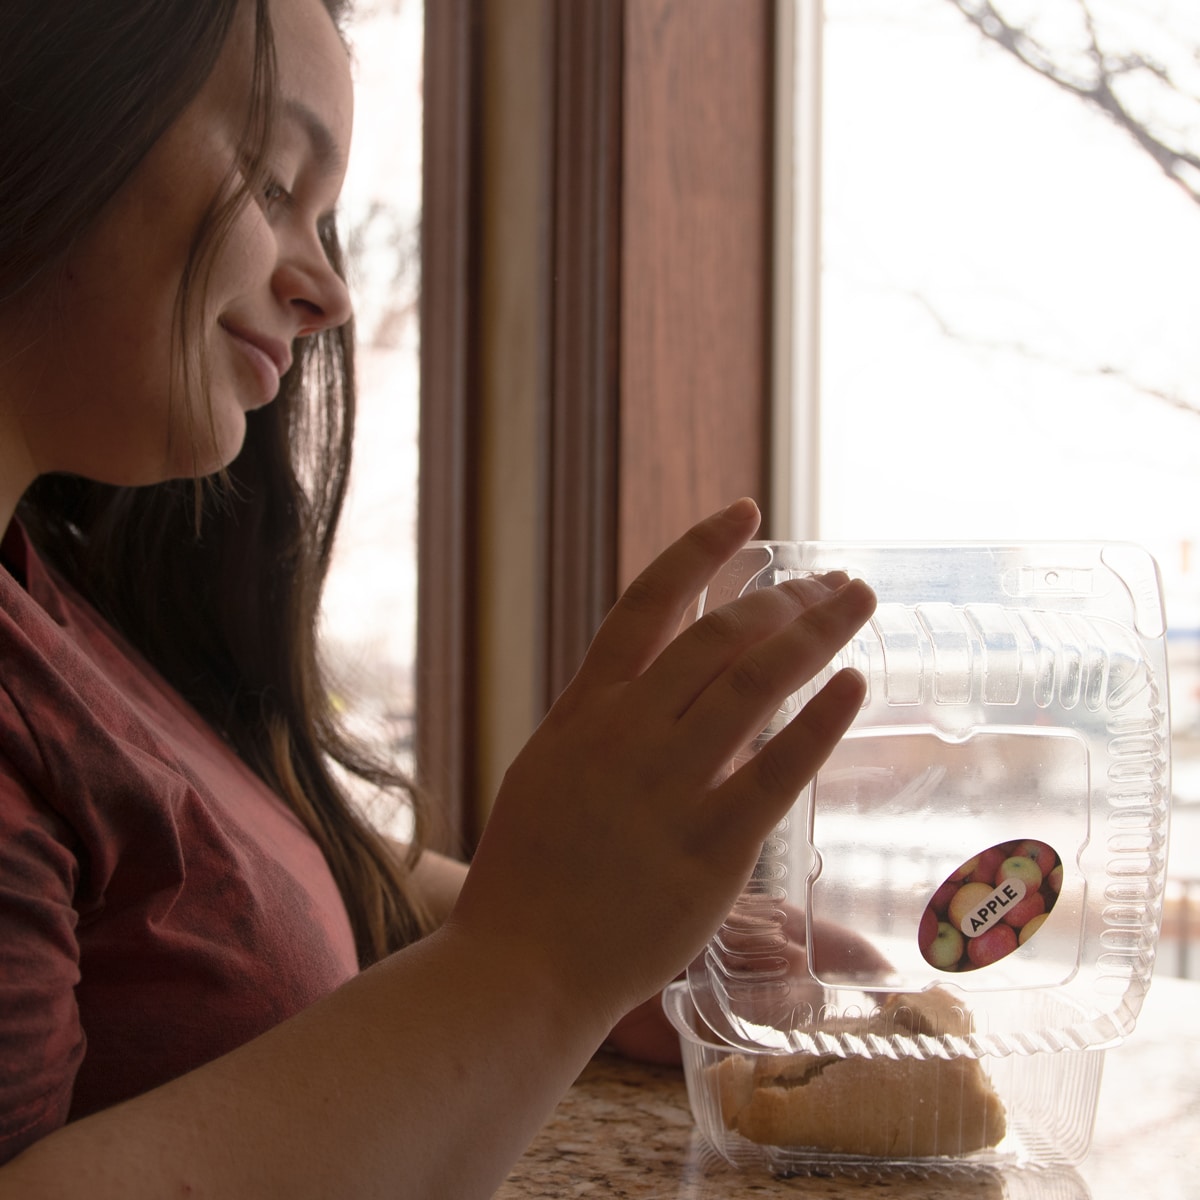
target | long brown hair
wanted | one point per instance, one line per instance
(221, 591)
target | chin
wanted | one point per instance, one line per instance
(210, 456)
(228, 451)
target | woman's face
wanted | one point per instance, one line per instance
(104, 385)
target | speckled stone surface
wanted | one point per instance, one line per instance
(625, 1130)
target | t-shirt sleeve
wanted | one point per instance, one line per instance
(41, 1038)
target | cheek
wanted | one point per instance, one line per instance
(247, 258)
(117, 300)
(111, 338)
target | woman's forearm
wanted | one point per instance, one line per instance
(425, 1076)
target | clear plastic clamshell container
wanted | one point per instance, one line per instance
(961, 911)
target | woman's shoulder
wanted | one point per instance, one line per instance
(33, 600)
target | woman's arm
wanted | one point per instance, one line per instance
(438, 880)
(425, 1076)
(618, 842)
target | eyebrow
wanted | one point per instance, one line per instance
(325, 148)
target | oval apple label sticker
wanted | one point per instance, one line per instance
(990, 905)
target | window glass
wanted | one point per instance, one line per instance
(369, 615)
(1008, 305)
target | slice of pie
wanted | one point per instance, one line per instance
(882, 1107)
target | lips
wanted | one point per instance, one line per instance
(269, 357)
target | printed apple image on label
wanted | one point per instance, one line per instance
(990, 905)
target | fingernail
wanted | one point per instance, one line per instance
(866, 592)
(836, 579)
(741, 511)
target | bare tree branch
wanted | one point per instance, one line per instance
(1100, 85)
(1031, 353)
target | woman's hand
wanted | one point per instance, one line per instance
(840, 956)
(620, 839)
(644, 1034)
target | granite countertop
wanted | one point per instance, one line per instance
(625, 1130)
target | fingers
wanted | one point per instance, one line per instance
(743, 698)
(713, 688)
(647, 616)
(758, 795)
(734, 639)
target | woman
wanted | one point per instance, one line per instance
(187, 901)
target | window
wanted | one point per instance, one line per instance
(369, 613)
(1005, 306)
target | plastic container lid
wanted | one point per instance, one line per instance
(992, 829)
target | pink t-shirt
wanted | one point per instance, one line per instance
(159, 905)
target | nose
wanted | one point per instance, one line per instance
(307, 283)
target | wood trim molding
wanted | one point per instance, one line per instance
(514, 458)
(695, 253)
(585, 317)
(548, 343)
(596, 332)
(445, 675)
(661, 322)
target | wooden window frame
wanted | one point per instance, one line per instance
(596, 337)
